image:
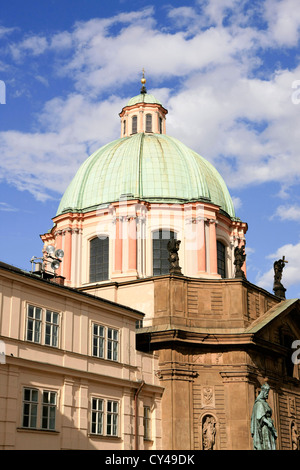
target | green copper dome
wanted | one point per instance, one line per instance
(143, 98)
(150, 167)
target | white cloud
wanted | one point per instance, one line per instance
(5, 207)
(245, 123)
(45, 162)
(288, 212)
(283, 17)
(34, 45)
(236, 202)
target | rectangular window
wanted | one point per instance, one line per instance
(112, 344)
(112, 418)
(104, 417)
(97, 416)
(30, 408)
(147, 422)
(49, 410)
(134, 125)
(105, 342)
(42, 326)
(160, 253)
(98, 341)
(99, 259)
(51, 328)
(39, 413)
(34, 324)
(148, 122)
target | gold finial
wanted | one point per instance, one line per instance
(143, 80)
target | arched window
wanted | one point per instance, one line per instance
(160, 257)
(148, 122)
(221, 259)
(134, 124)
(99, 259)
(124, 127)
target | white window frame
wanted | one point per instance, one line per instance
(41, 328)
(97, 412)
(105, 342)
(50, 406)
(40, 410)
(32, 405)
(33, 334)
(147, 422)
(105, 417)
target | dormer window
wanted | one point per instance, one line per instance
(148, 122)
(134, 125)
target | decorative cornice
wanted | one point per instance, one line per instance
(175, 373)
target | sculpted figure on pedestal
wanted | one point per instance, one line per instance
(263, 432)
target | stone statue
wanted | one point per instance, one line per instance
(239, 259)
(209, 433)
(263, 432)
(294, 436)
(277, 286)
(173, 248)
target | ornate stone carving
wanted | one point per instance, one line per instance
(239, 259)
(294, 436)
(208, 432)
(173, 248)
(277, 286)
(291, 406)
(208, 397)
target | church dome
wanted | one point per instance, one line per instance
(143, 98)
(146, 166)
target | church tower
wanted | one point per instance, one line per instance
(133, 195)
(217, 337)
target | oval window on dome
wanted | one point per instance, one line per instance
(134, 125)
(99, 259)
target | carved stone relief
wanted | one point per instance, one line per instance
(207, 397)
(294, 436)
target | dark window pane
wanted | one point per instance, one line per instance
(160, 255)
(148, 122)
(221, 259)
(134, 124)
(99, 259)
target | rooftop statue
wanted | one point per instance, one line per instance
(173, 248)
(239, 259)
(263, 432)
(277, 286)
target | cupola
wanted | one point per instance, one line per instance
(143, 114)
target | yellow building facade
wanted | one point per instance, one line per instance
(70, 376)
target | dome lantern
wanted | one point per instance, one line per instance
(143, 114)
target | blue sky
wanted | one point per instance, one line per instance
(228, 72)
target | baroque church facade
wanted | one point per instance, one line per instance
(198, 341)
